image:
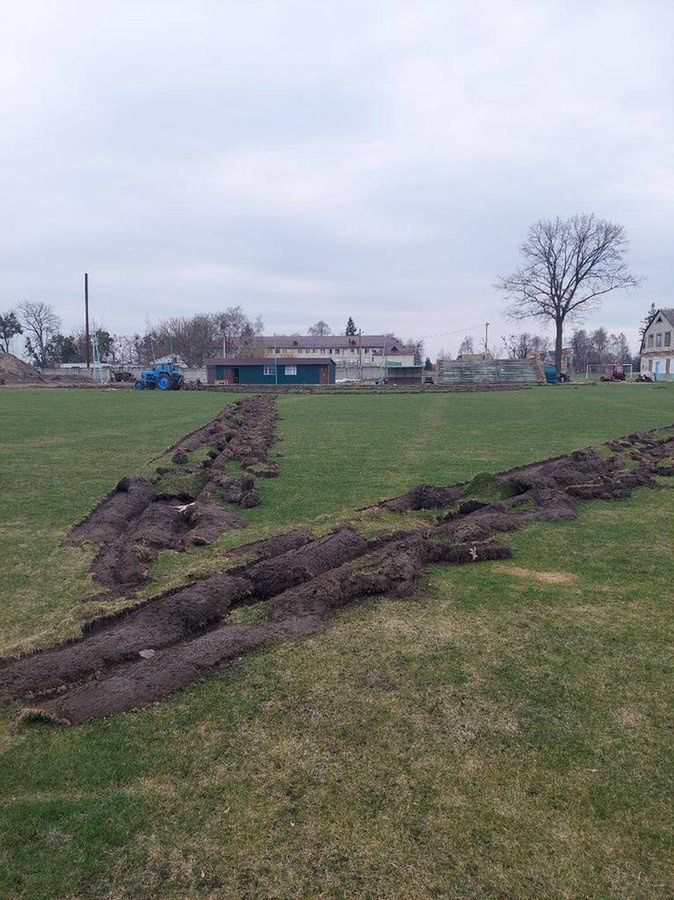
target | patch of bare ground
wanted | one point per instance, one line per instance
(299, 583)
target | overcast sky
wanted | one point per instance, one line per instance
(311, 159)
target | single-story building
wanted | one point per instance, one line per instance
(397, 374)
(657, 346)
(285, 370)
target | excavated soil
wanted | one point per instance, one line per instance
(148, 652)
(14, 371)
(142, 517)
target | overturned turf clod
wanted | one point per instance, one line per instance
(179, 507)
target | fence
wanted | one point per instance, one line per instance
(491, 371)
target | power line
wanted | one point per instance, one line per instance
(424, 337)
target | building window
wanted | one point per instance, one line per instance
(268, 370)
(290, 370)
(658, 339)
(649, 342)
(668, 338)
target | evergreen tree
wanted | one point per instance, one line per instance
(351, 329)
(647, 319)
(9, 326)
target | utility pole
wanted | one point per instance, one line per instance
(486, 338)
(87, 342)
(224, 345)
(360, 354)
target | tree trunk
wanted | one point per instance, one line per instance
(558, 345)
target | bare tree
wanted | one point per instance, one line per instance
(581, 349)
(193, 338)
(466, 346)
(41, 323)
(321, 329)
(522, 346)
(619, 347)
(239, 334)
(417, 347)
(569, 265)
(197, 337)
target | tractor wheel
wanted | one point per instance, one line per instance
(164, 382)
(139, 386)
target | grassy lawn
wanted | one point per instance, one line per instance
(503, 733)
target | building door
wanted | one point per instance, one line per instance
(236, 376)
(325, 378)
(658, 368)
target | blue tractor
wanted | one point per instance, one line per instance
(164, 377)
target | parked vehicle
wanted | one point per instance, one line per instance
(164, 377)
(121, 375)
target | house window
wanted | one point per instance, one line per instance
(658, 339)
(668, 338)
(268, 370)
(290, 370)
(649, 343)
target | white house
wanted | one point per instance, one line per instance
(657, 346)
(344, 349)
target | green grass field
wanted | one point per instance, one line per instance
(506, 732)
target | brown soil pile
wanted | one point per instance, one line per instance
(143, 654)
(15, 371)
(141, 517)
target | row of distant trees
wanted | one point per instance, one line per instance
(233, 333)
(194, 338)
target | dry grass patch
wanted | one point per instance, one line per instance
(541, 577)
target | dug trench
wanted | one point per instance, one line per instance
(141, 655)
(183, 503)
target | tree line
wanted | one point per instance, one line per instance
(192, 338)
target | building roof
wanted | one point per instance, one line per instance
(268, 361)
(337, 342)
(667, 313)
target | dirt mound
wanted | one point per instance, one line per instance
(424, 496)
(183, 504)
(15, 371)
(110, 518)
(169, 642)
(272, 576)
